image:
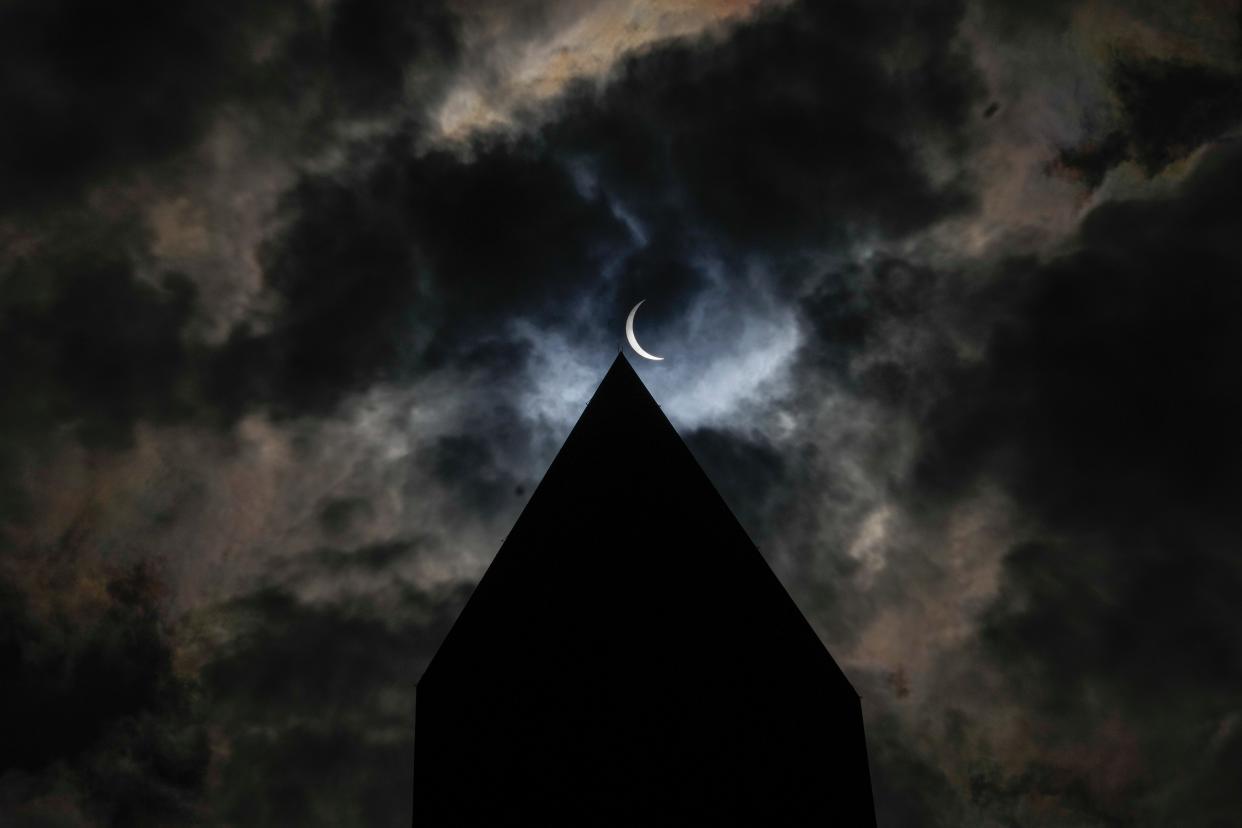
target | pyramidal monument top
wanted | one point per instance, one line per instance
(629, 658)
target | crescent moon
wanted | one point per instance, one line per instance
(629, 334)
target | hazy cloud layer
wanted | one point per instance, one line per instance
(297, 304)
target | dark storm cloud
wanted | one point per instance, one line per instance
(509, 230)
(367, 268)
(1092, 160)
(1170, 109)
(89, 348)
(360, 55)
(301, 713)
(412, 260)
(467, 465)
(339, 514)
(908, 787)
(1115, 361)
(405, 260)
(89, 91)
(1166, 110)
(315, 700)
(849, 309)
(88, 88)
(1103, 403)
(1013, 18)
(96, 721)
(99, 727)
(798, 129)
(88, 343)
(663, 274)
(329, 560)
(877, 352)
(1107, 405)
(92, 342)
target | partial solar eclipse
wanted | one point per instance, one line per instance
(629, 334)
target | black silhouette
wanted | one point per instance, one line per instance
(630, 659)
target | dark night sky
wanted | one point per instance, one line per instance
(299, 299)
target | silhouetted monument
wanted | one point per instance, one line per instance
(630, 659)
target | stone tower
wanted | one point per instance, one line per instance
(629, 658)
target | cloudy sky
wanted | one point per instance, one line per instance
(299, 299)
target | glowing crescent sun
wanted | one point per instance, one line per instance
(629, 334)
